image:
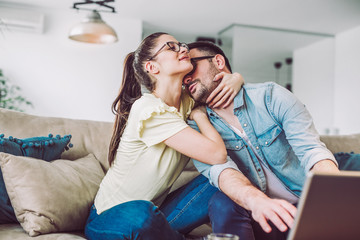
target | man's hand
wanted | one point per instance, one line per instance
(226, 91)
(263, 209)
(280, 212)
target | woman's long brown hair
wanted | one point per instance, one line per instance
(134, 76)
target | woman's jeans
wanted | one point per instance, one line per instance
(182, 211)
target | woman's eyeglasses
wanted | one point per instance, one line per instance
(173, 46)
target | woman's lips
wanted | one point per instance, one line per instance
(184, 58)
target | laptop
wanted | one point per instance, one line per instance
(329, 208)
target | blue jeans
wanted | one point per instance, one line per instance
(226, 216)
(182, 211)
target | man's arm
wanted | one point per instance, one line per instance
(326, 165)
(299, 128)
(229, 179)
(263, 209)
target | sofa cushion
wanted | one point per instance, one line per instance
(51, 196)
(14, 231)
(46, 148)
(87, 136)
(342, 143)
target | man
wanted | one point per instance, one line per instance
(272, 142)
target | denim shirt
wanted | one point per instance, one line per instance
(281, 130)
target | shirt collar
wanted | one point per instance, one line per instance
(238, 101)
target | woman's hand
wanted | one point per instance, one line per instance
(199, 111)
(226, 91)
(205, 146)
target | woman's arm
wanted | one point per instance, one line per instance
(206, 146)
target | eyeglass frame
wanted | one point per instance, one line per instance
(196, 59)
(179, 44)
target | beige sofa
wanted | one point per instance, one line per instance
(92, 137)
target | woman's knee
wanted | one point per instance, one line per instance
(141, 215)
(148, 214)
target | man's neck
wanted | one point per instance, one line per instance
(229, 110)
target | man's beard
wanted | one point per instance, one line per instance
(204, 91)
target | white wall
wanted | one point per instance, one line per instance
(64, 78)
(326, 77)
(347, 84)
(256, 61)
(313, 82)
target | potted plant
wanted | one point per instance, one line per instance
(10, 96)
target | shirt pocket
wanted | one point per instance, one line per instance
(269, 136)
(237, 151)
(274, 145)
(233, 144)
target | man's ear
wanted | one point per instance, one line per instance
(151, 67)
(219, 62)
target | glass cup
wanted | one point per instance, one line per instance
(222, 236)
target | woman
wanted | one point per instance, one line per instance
(148, 146)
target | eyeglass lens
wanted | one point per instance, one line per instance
(174, 46)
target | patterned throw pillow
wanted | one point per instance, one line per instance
(45, 148)
(348, 161)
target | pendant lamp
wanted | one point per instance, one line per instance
(93, 30)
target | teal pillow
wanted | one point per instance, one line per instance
(8, 146)
(45, 148)
(348, 161)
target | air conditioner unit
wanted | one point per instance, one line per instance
(21, 20)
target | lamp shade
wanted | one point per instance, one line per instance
(93, 30)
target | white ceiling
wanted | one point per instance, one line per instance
(188, 19)
(208, 17)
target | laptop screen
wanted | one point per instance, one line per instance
(329, 208)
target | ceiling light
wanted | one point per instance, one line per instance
(93, 30)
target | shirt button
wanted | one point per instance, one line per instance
(245, 124)
(266, 143)
(259, 169)
(237, 147)
(257, 148)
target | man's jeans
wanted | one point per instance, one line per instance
(182, 211)
(228, 217)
